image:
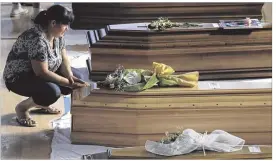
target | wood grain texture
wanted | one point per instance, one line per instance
(96, 15)
(211, 75)
(145, 122)
(141, 153)
(132, 118)
(129, 140)
(177, 91)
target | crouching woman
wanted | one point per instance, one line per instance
(37, 66)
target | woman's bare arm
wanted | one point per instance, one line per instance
(41, 70)
(65, 65)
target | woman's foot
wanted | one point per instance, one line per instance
(28, 122)
(23, 116)
(46, 110)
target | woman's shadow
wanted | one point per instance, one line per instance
(9, 120)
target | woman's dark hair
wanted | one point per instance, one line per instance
(58, 13)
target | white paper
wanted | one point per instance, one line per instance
(215, 24)
(214, 85)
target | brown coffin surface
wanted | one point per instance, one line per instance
(215, 53)
(97, 15)
(129, 119)
(141, 153)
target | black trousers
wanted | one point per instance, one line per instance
(43, 93)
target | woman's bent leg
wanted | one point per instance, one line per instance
(40, 93)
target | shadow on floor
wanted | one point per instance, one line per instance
(36, 145)
(9, 120)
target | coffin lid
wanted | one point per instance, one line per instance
(98, 15)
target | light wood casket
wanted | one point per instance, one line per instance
(141, 153)
(120, 119)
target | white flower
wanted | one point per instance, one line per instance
(132, 78)
(112, 86)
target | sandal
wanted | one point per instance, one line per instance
(28, 122)
(46, 111)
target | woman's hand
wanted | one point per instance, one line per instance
(74, 82)
(69, 75)
(77, 80)
(71, 79)
(78, 85)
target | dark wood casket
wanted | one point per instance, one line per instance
(214, 52)
(98, 15)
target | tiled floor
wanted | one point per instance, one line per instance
(21, 142)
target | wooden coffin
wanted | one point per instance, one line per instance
(215, 53)
(141, 153)
(121, 119)
(97, 15)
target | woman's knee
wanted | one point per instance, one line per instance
(48, 94)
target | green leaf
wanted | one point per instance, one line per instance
(153, 80)
(166, 82)
(134, 88)
(147, 73)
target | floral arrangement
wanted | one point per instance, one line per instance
(135, 80)
(127, 79)
(170, 137)
(162, 24)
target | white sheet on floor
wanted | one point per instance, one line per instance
(62, 149)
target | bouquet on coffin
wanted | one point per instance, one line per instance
(135, 80)
(163, 23)
(189, 140)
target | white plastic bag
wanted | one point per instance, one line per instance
(190, 140)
